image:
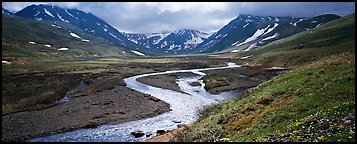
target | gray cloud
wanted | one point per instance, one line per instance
(145, 17)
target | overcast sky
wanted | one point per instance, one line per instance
(146, 17)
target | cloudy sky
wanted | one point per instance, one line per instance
(146, 17)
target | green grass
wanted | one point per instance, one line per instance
(17, 32)
(322, 89)
(319, 88)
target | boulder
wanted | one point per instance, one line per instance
(160, 132)
(137, 134)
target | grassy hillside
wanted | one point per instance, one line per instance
(18, 32)
(313, 102)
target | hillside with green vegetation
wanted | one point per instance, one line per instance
(313, 102)
(17, 33)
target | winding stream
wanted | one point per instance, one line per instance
(184, 110)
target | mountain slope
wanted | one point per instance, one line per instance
(6, 12)
(88, 22)
(248, 32)
(29, 40)
(177, 42)
(314, 102)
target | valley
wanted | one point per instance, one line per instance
(69, 76)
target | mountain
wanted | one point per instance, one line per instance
(30, 40)
(6, 12)
(177, 42)
(248, 32)
(88, 22)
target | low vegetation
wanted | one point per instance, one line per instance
(313, 102)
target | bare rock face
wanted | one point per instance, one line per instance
(137, 134)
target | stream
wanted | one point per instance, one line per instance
(184, 110)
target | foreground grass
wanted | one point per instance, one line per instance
(297, 106)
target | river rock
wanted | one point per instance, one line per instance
(181, 125)
(176, 121)
(137, 134)
(160, 132)
(195, 83)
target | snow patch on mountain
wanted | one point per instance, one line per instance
(137, 53)
(271, 37)
(68, 13)
(271, 29)
(49, 13)
(294, 24)
(74, 35)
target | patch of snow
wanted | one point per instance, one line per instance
(245, 57)
(136, 42)
(37, 13)
(114, 36)
(194, 40)
(5, 62)
(271, 29)
(271, 37)
(63, 49)
(163, 44)
(49, 13)
(251, 47)
(218, 36)
(313, 21)
(38, 19)
(162, 36)
(235, 50)
(138, 53)
(172, 46)
(97, 23)
(245, 25)
(276, 19)
(85, 40)
(47, 45)
(275, 68)
(248, 20)
(74, 35)
(318, 25)
(31, 42)
(92, 31)
(105, 29)
(297, 22)
(68, 13)
(258, 33)
(55, 26)
(60, 17)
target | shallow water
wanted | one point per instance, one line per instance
(184, 110)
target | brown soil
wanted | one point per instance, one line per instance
(114, 106)
(218, 81)
(166, 137)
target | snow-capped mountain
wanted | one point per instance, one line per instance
(248, 32)
(86, 21)
(6, 12)
(177, 42)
